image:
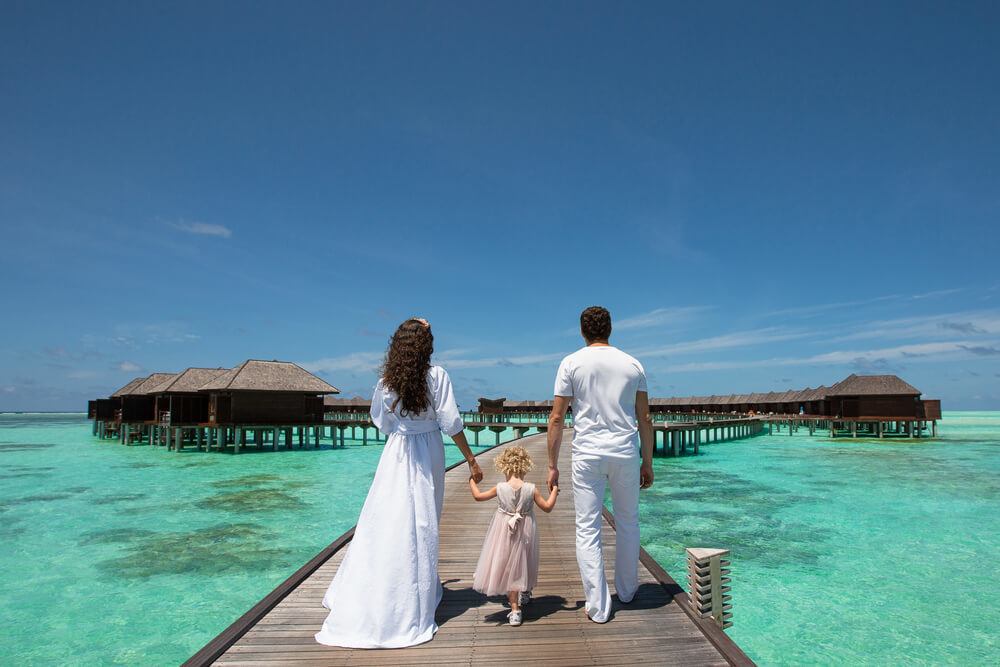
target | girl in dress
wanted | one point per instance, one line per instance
(387, 588)
(509, 562)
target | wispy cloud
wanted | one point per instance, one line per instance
(131, 335)
(981, 350)
(816, 309)
(512, 361)
(937, 293)
(726, 341)
(877, 357)
(658, 317)
(203, 229)
(962, 327)
(357, 362)
(129, 367)
(982, 322)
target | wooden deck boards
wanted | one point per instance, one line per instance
(653, 629)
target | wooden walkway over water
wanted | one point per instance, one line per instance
(658, 627)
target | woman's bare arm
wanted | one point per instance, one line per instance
(479, 495)
(546, 504)
(470, 458)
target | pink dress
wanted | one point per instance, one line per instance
(509, 561)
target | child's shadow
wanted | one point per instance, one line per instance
(535, 610)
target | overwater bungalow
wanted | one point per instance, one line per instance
(138, 401)
(353, 405)
(873, 396)
(266, 392)
(178, 401)
(491, 406)
(854, 396)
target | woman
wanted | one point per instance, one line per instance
(387, 588)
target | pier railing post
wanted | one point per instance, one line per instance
(709, 584)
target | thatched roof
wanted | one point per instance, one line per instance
(257, 375)
(132, 384)
(146, 387)
(353, 402)
(802, 395)
(819, 393)
(873, 385)
(788, 396)
(188, 381)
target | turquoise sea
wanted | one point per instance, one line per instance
(845, 552)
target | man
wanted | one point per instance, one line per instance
(610, 409)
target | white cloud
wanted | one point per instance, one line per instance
(129, 367)
(203, 229)
(658, 317)
(912, 353)
(807, 311)
(355, 362)
(985, 322)
(523, 360)
(725, 341)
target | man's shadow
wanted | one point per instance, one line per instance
(535, 610)
(456, 601)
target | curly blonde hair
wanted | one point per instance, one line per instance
(513, 461)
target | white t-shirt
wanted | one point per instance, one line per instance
(602, 380)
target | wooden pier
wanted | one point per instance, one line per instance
(658, 627)
(852, 427)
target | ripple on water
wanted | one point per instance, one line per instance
(118, 498)
(20, 447)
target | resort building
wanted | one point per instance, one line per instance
(178, 400)
(266, 392)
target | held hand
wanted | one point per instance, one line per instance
(646, 476)
(475, 472)
(553, 480)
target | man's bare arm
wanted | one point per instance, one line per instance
(556, 420)
(645, 424)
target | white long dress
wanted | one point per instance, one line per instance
(387, 588)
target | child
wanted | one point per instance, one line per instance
(509, 562)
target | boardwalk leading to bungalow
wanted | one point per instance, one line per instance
(658, 627)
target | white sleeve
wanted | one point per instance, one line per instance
(445, 407)
(564, 380)
(384, 420)
(642, 378)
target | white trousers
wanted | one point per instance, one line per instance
(591, 474)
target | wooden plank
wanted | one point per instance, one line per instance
(657, 627)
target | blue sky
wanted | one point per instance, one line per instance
(766, 197)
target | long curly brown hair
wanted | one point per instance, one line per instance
(407, 361)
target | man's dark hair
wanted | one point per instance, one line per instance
(595, 323)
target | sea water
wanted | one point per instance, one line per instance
(844, 551)
(139, 555)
